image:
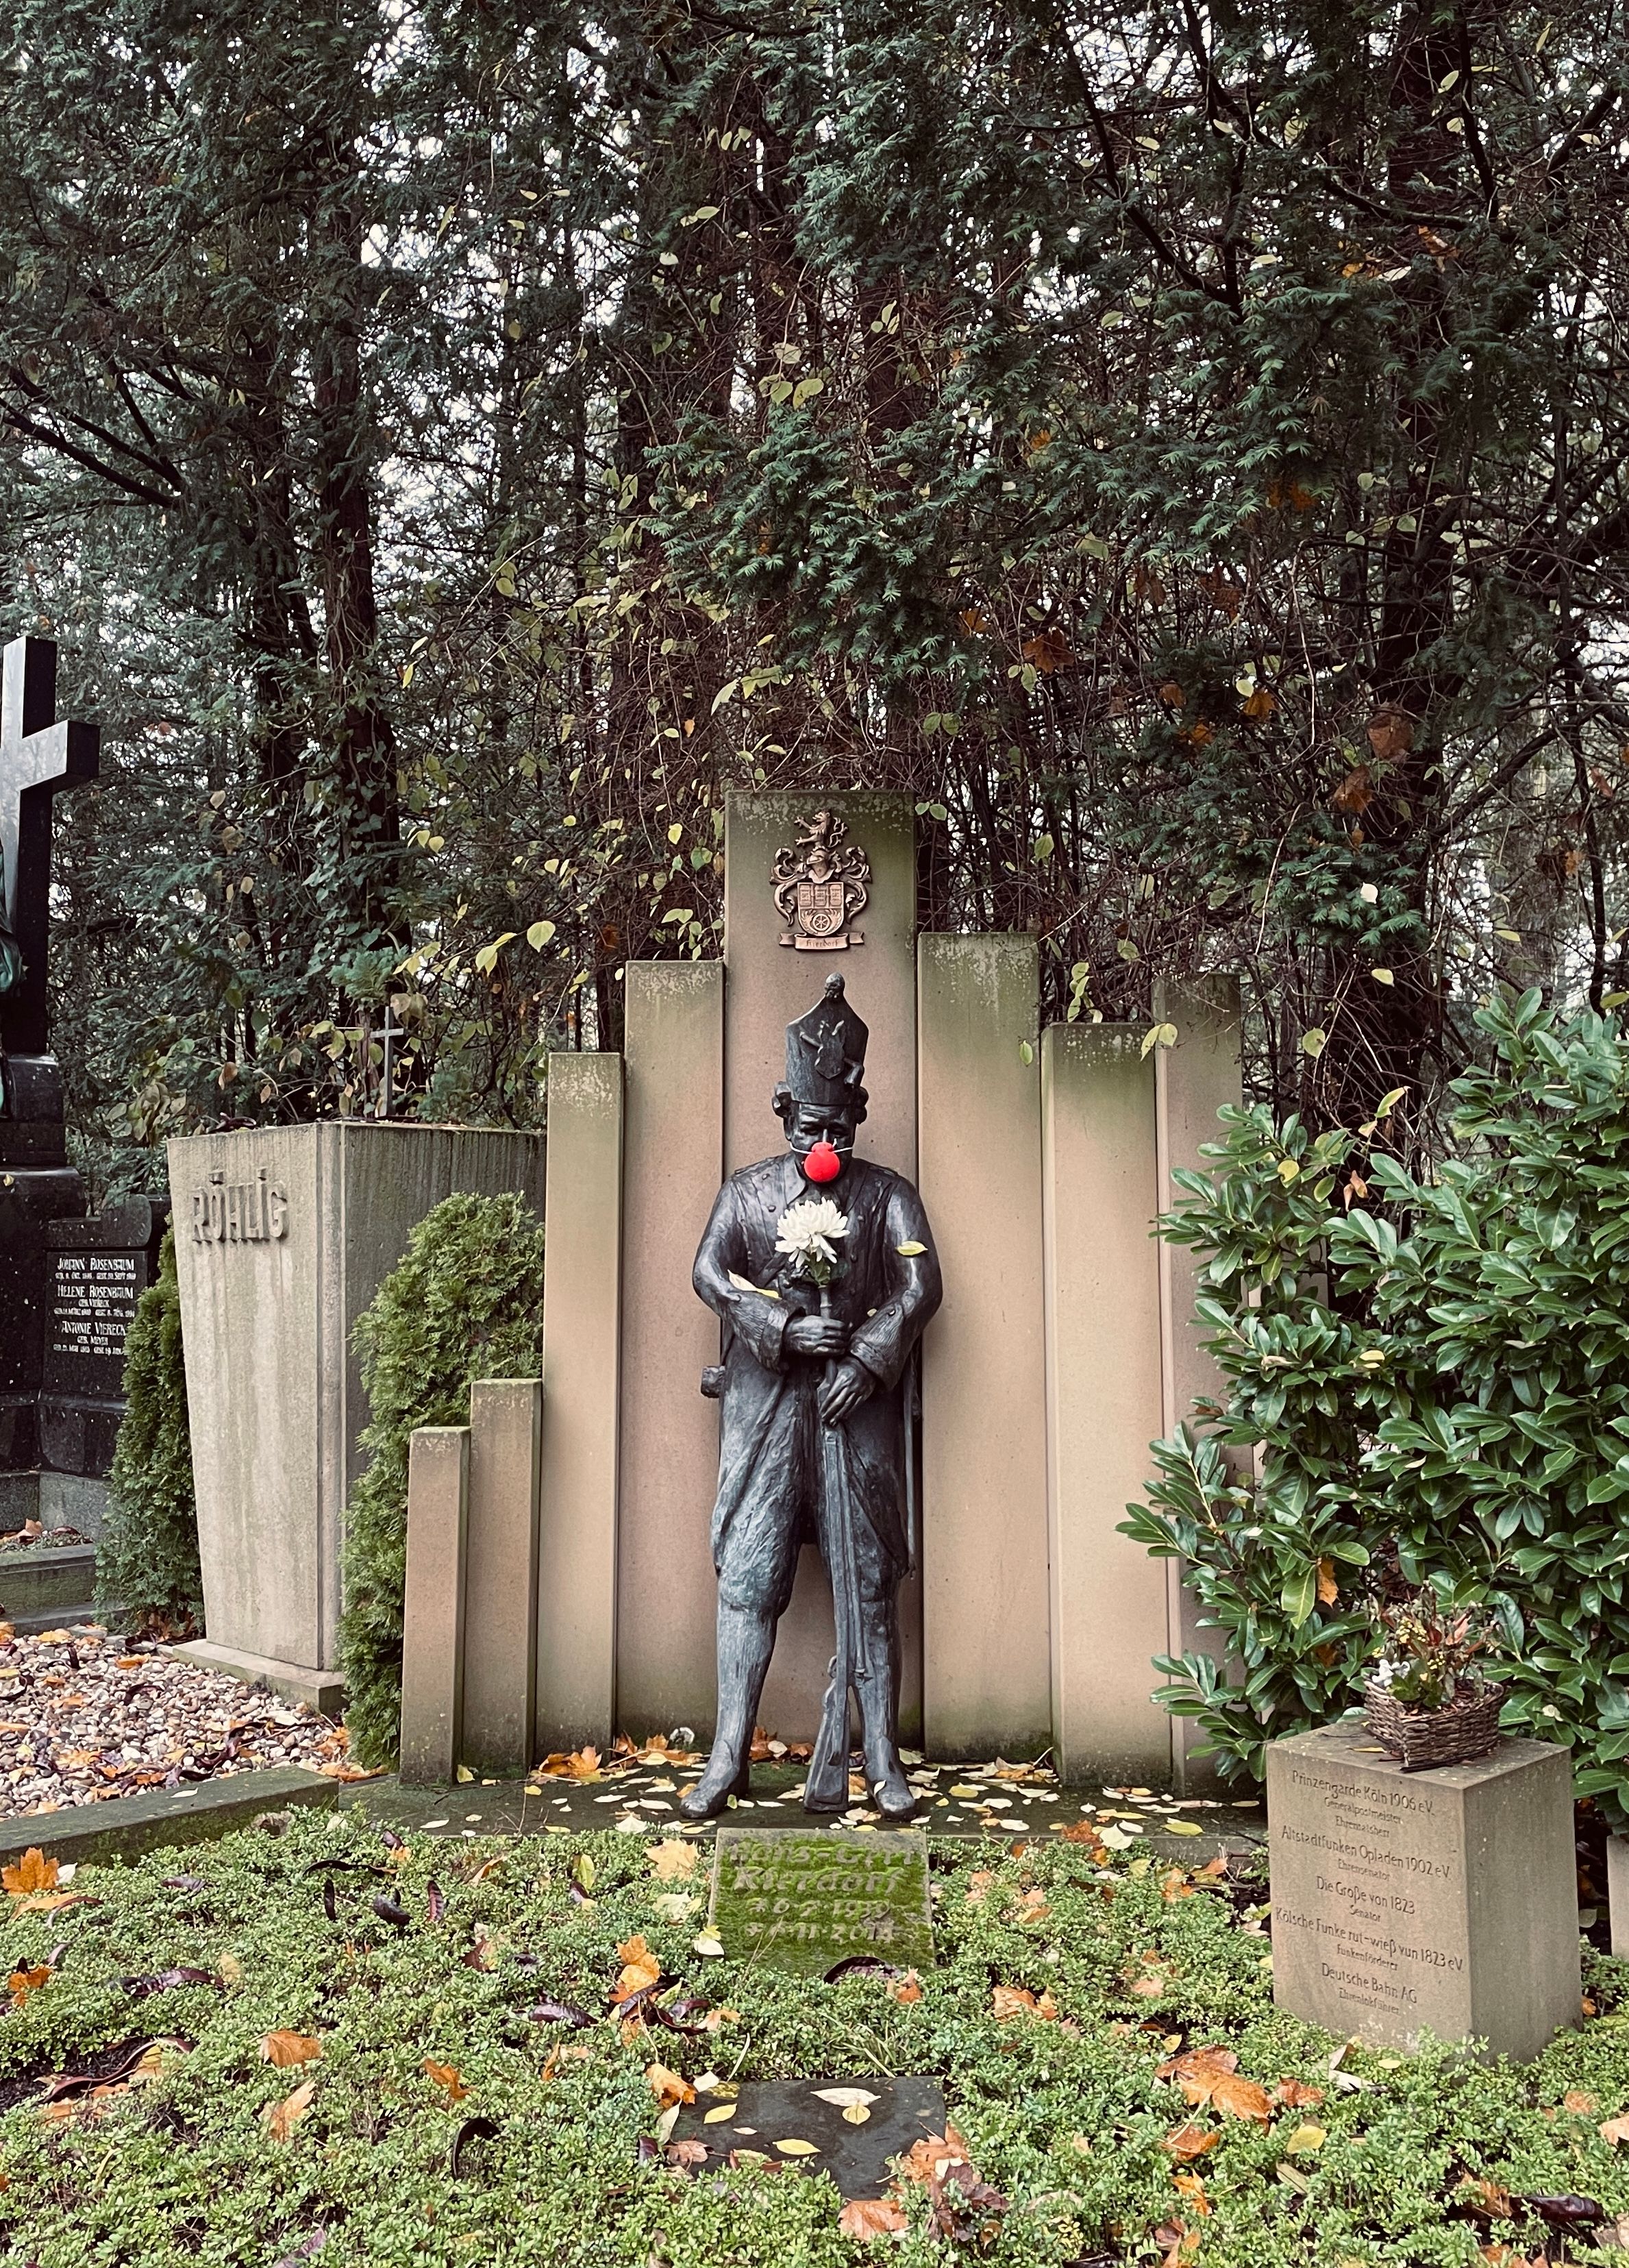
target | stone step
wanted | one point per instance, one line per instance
(56, 1580)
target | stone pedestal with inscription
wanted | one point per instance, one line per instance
(283, 1235)
(1441, 1901)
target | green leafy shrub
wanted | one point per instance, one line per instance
(464, 1301)
(147, 1561)
(1437, 1387)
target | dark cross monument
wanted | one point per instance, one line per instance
(40, 757)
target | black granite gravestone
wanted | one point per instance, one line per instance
(38, 758)
(98, 1270)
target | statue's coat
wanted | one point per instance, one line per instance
(769, 1475)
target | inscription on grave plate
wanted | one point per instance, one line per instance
(93, 1297)
(1438, 1901)
(803, 1901)
(1382, 1904)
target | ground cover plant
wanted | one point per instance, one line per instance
(329, 2042)
(1435, 1367)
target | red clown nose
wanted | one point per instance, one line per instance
(823, 1163)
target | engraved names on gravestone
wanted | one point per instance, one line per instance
(1406, 1903)
(804, 1899)
(98, 1270)
(93, 1297)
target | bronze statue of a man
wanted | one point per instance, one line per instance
(821, 1267)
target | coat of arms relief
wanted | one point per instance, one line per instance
(820, 885)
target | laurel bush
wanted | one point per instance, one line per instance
(1433, 1374)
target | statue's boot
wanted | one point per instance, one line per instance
(745, 1641)
(879, 1713)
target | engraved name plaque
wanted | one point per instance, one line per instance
(802, 1899)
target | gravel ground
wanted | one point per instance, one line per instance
(84, 1715)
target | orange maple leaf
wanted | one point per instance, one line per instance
(1082, 1830)
(33, 1872)
(1211, 2075)
(1190, 2141)
(22, 1982)
(280, 2119)
(1193, 2188)
(1009, 2002)
(931, 2157)
(581, 1764)
(668, 2086)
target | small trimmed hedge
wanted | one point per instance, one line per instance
(464, 1301)
(147, 1561)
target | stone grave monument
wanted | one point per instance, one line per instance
(283, 1235)
(40, 759)
(1441, 1901)
(1064, 1345)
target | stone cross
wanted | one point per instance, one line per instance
(38, 757)
(390, 1035)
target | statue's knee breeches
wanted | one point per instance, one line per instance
(758, 1560)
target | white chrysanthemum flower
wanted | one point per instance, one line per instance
(810, 1231)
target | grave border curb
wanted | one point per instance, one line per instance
(125, 1827)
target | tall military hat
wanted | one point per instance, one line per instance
(825, 1053)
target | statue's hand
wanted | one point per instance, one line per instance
(823, 1334)
(849, 1385)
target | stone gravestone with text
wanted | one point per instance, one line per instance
(804, 1899)
(39, 757)
(1441, 1901)
(283, 1236)
(97, 1271)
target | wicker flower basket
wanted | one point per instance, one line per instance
(1461, 1728)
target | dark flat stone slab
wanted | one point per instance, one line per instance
(770, 2111)
(803, 1903)
(127, 1825)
